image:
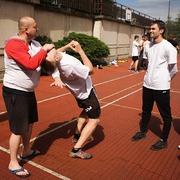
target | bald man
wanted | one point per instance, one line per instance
(22, 56)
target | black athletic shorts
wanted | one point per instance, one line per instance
(135, 58)
(21, 109)
(90, 105)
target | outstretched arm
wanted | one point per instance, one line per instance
(75, 46)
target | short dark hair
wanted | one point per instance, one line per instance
(48, 66)
(161, 25)
(136, 36)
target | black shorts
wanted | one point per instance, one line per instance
(135, 58)
(21, 109)
(90, 105)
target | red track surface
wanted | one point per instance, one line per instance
(115, 156)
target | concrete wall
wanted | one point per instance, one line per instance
(56, 25)
(117, 35)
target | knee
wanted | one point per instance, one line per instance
(95, 122)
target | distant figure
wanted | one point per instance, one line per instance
(135, 54)
(173, 41)
(162, 67)
(142, 62)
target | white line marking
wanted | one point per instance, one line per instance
(114, 79)
(120, 91)
(55, 97)
(121, 98)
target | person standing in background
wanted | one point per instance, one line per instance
(174, 42)
(162, 67)
(135, 54)
(22, 57)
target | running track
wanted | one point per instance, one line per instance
(115, 156)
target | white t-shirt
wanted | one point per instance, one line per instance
(159, 57)
(146, 43)
(74, 75)
(135, 45)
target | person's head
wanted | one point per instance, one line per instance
(52, 58)
(146, 38)
(157, 29)
(136, 37)
(27, 27)
(143, 37)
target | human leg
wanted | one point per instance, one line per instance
(163, 104)
(27, 151)
(148, 101)
(80, 124)
(136, 65)
(86, 132)
(14, 143)
(131, 65)
(162, 99)
(91, 111)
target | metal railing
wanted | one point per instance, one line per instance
(100, 7)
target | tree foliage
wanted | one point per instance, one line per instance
(174, 28)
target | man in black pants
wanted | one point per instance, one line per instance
(162, 67)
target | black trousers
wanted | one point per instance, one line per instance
(162, 99)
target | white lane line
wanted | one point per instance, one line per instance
(121, 98)
(121, 91)
(55, 97)
(115, 79)
(60, 176)
(52, 130)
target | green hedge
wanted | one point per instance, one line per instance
(95, 49)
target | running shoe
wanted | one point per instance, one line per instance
(80, 154)
(138, 136)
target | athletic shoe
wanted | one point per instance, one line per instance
(138, 136)
(80, 154)
(136, 71)
(159, 145)
(179, 147)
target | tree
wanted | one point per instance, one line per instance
(174, 26)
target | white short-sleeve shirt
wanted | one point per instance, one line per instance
(135, 46)
(75, 75)
(159, 56)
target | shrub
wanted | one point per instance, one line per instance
(95, 49)
(43, 40)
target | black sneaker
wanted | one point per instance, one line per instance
(138, 136)
(159, 145)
